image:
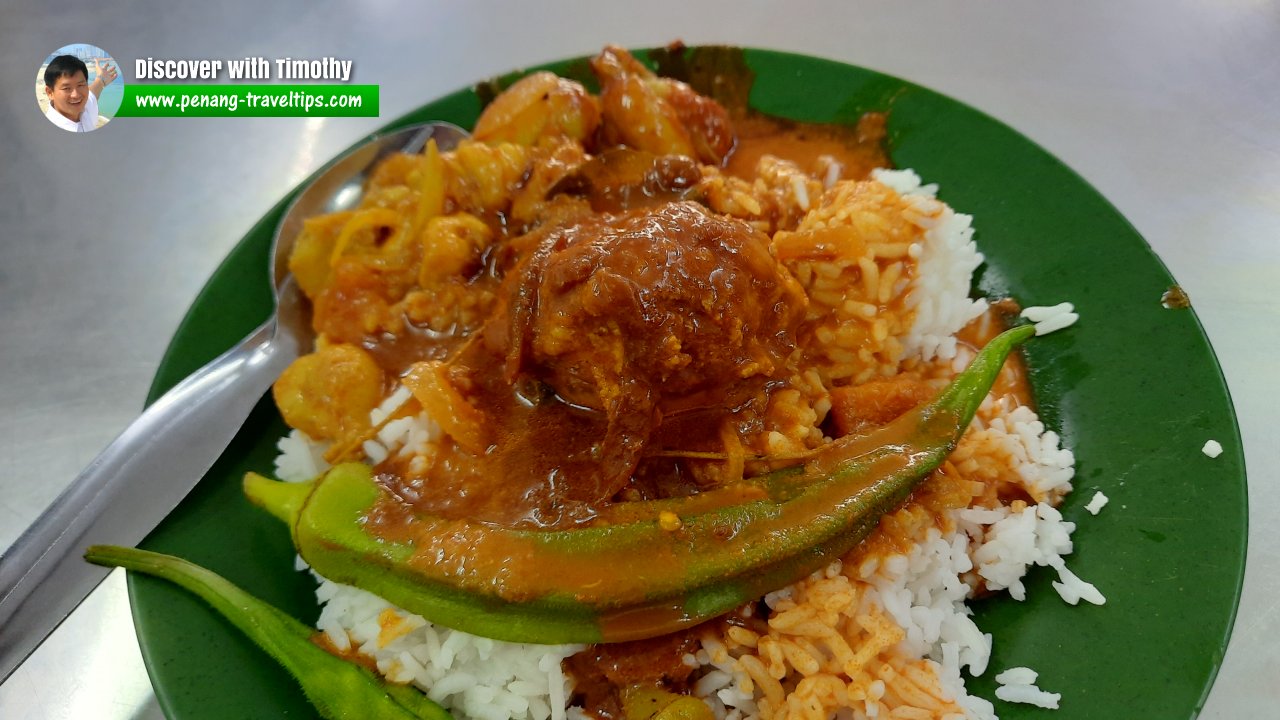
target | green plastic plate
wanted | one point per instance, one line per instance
(1133, 388)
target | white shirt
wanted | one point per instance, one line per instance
(88, 118)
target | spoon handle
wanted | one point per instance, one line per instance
(130, 487)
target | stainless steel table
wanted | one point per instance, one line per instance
(1171, 109)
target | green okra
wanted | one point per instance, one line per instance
(629, 576)
(339, 689)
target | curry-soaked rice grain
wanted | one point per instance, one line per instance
(851, 253)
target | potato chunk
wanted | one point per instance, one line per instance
(329, 393)
(451, 247)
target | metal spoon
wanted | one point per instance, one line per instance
(143, 474)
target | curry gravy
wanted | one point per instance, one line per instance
(858, 150)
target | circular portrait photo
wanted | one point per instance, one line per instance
(79, 87)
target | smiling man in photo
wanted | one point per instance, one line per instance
(73, 101)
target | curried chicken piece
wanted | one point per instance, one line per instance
(857, 408)
(648, 313)
(622, 179)
(539, 106)
(657, 114)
